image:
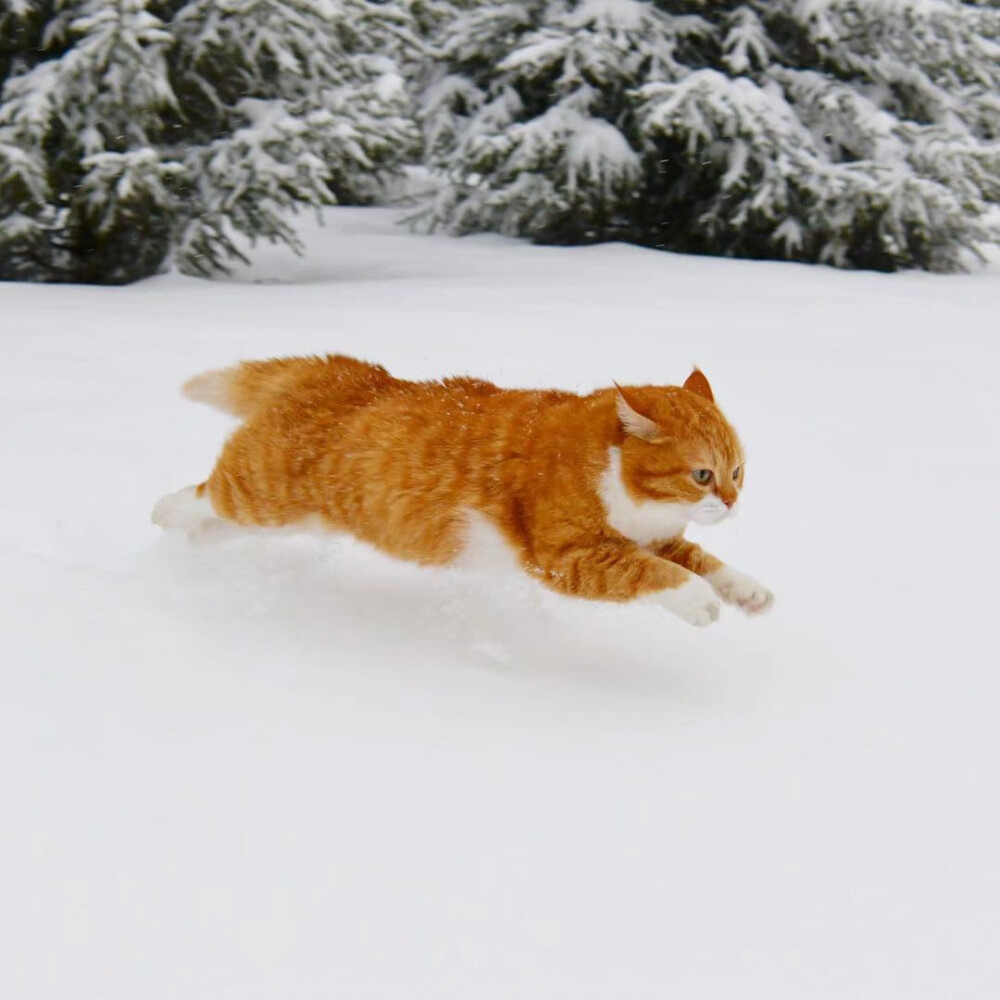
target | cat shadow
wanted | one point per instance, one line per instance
(333, 599)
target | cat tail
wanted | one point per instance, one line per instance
(240, 389)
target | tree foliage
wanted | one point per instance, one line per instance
(135, 132)
(861, 134)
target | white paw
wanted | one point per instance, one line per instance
(185, 511)
(693, 601)
(744, 591)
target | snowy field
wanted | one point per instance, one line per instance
(289, 768)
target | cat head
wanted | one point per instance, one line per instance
(679, 449)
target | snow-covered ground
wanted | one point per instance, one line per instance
(287, 767)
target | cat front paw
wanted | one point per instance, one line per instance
(693, 601)
(744, 591)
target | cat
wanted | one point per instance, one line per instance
(591, 494)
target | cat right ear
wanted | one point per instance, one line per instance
(634, 422)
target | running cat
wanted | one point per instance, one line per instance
(591, 494)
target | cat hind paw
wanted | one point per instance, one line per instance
(185, 511)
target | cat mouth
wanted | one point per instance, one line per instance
(711, 515)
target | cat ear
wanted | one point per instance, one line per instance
(697, 383)
(633, 422)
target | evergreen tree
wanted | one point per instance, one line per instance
(862, 134)
(133, 130)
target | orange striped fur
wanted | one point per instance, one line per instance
(402, 464)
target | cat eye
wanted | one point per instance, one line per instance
(736, 471)
(702, 476)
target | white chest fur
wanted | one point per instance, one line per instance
(643, 521)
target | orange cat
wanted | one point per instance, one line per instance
(590, 493)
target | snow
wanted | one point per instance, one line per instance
(595, 149)
(609, 15)
(544, 52)
(287, 767)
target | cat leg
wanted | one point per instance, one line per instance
(614, 569)
(730, 584)
(188, 510)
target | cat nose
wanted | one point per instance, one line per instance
(728, 501)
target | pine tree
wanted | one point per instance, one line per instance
(861, 134)
(136, 131)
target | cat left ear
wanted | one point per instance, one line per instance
(634, 422)
(697, 383)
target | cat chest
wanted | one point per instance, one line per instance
(641, 521)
